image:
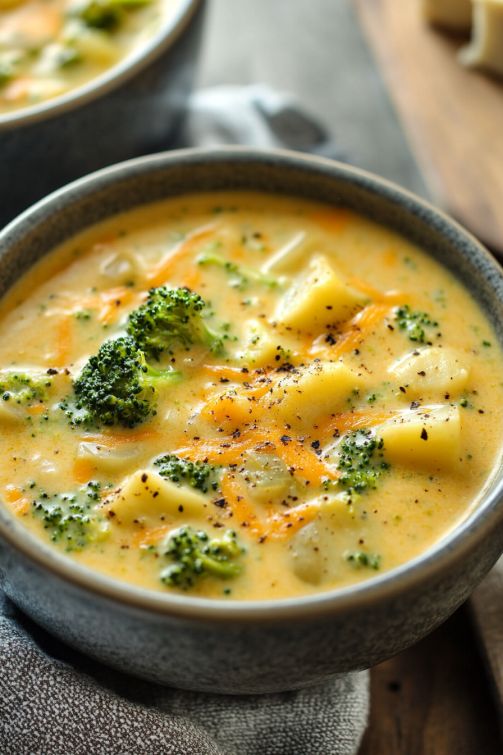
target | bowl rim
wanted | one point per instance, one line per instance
(170, 29)
(454, 545)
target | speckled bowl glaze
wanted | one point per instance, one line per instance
(250, 647)
(134, 108)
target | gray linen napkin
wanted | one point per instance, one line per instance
(255, 116)
(70, 705)
(53, 701)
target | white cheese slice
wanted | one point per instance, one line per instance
(453, 14)
(486, 47)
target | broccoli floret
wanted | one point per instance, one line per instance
(195, 555)
(414, 323)
(98, 14)
(359, 467)
(24, 388)
(7, 70)
(196, 474)
(117, 386)
(105, 15)
(360, 559)
(239, 276)
(69, 517)
(172, 317)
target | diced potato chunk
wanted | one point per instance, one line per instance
(145, 495)
(429, 437)
(94, 46)
(319, 298)
(34, 89)
(307, 557)
(267, 477)
(106, 458)
(261, 344)
(120, 267)
(10, 413)
(306, 395)
(312, 547)
(434, 371)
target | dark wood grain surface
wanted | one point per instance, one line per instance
(486, 605)
(434, 699)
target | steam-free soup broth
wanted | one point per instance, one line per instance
(244, 396)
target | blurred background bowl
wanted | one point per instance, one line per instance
(133, 108)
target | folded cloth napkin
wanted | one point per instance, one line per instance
(51, 706)
(255, 116)
(53, 701)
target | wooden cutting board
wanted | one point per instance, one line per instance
(453, 117)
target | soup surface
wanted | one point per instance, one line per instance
(244, 395)
(50, 46)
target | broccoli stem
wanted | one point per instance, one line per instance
(239, 276)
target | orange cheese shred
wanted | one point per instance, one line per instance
(332, 220)
(348, 421)
(225, 371)
(224, 450)
(380, 297)
(83, 470)
(286, 524)
(16, 500)
(193, 278)
(112, 439)
(231, 490)
(150, 536)
(111, 301)
(36, 409)
(360, 327)
(64, 341)
(167, 265)
(304, 462)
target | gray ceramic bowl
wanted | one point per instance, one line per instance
(132, 109)
(246, 647)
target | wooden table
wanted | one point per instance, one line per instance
(435, 698)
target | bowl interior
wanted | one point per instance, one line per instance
(145, 180)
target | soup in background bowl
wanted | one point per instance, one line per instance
(71, 72)
(261, 426)
(49, 48)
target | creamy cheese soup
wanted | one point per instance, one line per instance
(243, 395)
(48, 47)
